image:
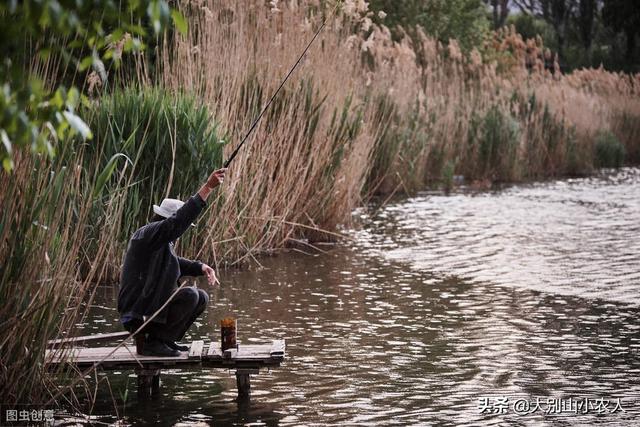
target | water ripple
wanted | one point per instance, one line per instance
(579, 237)
(530, 292)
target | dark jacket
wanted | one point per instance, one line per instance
(151, 268)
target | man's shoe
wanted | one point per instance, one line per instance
(174, 346)
(140, 339)
(153, 347)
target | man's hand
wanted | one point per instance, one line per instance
(216, 178)
(210, 273)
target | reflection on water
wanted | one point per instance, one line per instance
(384, 333)
(576, 237)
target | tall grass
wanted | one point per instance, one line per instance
(42, 230)
(495, 115)
(68, 220)
(363, 114)
(152, 145)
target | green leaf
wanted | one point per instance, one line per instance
(73, 98)
(57, 100)
(158, 12)
(86, 62)
(106, 173)
(179, 21)
(133, 44)
(85, 101)
(134, 4)
(44, 53)
(131, 139)
(136, 29)
(153, 10)
(7, 164)
(116, 35)
(75, 44)
(78, 125)
(6, 141)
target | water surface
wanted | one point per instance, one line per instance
(530, 292)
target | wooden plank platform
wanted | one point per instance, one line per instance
(246, 359)
(245, 356)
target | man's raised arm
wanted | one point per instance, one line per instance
(216, 178)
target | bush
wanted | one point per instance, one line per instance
(71, 216)
(626, 124)
(530, 27)
(494, 139)
(166, 139)
(609, 151)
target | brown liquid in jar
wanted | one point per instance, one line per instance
(228, 333)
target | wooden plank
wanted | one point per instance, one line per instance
(241, 364)
(214, 350)
(277, 348)
(251, 349)
(124, 354)
(248, 351)
(88, 338)
(249, 356)
(195, 352)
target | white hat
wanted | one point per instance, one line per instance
(168, 207)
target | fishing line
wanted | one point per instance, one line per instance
(266, 107)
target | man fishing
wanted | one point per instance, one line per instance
(151, 268)
(150, 274)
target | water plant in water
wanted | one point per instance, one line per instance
(609, 151)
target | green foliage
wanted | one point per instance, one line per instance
(463, 20)
(585, 33)
(346, 123)
(78, 209)
(494, 140)
(167, 141)
(401, 139)
(29, 119)
(609, 151)
(550, 145)
(593, 35)
(447, 175)
(626, 125)
(529, 27)
(83, 34)
(575, 162)
(388, 142)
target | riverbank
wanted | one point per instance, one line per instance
(365, 115)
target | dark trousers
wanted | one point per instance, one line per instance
(182, 311)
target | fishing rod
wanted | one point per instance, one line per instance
(266, 107)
